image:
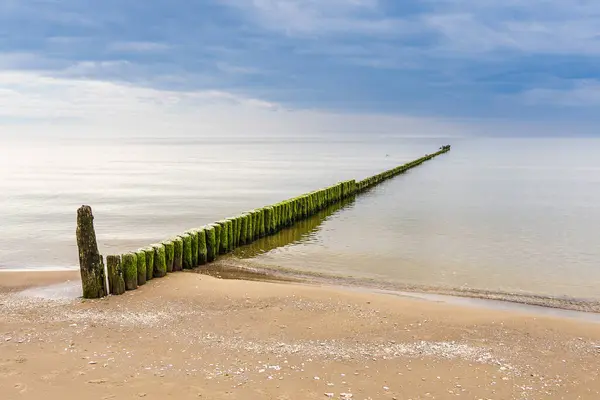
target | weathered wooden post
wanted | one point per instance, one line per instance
(194, 236)
(129, 263)
(211, 250)
(93, 277)
(187, 251)
(169, 254)
(116, 281)
(149, 262)
(141, 267)
(202, 250)
(177, 253)
(160, 260)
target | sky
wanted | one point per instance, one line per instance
(299, 67)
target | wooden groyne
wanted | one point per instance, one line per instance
(197, 247)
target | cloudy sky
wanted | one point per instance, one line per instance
(193, 67)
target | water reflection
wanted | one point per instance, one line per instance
(303, 231)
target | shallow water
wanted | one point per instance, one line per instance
(498, 214)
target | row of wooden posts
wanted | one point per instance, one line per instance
(196, 247)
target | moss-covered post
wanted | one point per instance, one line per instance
(234, 239)
(254, 225)
(210, 243)
(91, 266)
(202, 251)
(160, 260)
(294, 210)
(177, 254)
(229, 226)
(224, 242)
(194, 235)
(169, 254)
(278, 216)
(250, 229)
(230, 235)
(129, 262)
(305, 206)
(141, 267)
(116, 281)
(217, 239)
(149, 263)
(239, 218)
(187, 251)
(268, 219)
(243, 229)
(284, 214)
(275, 216)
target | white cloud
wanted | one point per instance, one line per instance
(92, 68)
(317, 17)
(454, 27)
(61, 106)
(582, 93)
(138, 47)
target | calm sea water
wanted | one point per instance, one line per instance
(500, 214)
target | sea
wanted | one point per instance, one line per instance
(514, 215)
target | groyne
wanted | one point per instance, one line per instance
(197, 247)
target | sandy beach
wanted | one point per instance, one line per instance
(191, 336)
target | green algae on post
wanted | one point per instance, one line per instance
(211, 248)
(202, 250)
(149, 263)
(268, 219)
(224, 242)
(160, 260)
(177, 254)
(249, 228)
(238, 236)
(230, 235)
(217, 239)
(129, 262)
(234, 239)
(187, 251)
(257, 232)
(243, 229)
(91, 265)
(194, 235)
(141, 267)
(116, 281)
(169, 254)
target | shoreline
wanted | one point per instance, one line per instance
(231, 268)
(189, 335)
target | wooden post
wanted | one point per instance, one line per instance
(93, 278)
(129, 263)
(116, 280)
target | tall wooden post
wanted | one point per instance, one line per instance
(93, 278)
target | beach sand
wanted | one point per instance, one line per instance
(192, 336)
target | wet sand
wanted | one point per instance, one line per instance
(12, 281)
(190, 336)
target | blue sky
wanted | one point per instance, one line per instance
(472, 66)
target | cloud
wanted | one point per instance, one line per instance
(581, 93)
(138, 47)
(472, 32)
(312, 17)
(454, 27)
(93, 107)
(434, 58)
